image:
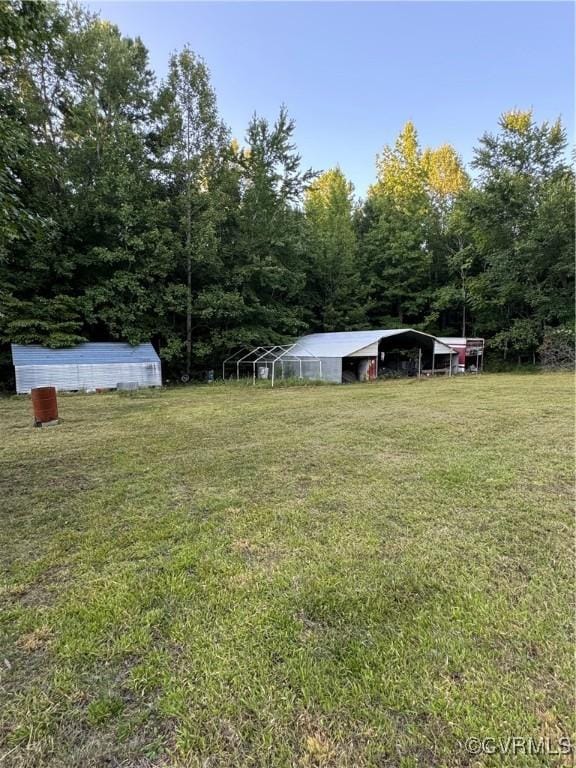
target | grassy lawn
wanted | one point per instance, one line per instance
(321, 576)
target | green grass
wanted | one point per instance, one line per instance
(328, 576)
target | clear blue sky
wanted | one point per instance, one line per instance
(351, 74)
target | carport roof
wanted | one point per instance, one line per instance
(342, 344)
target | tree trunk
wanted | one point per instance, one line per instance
(464, 297)
(188, 286)
(188, 242)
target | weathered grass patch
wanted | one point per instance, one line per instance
(331, 576)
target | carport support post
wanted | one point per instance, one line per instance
(433, 359)
(419, 360)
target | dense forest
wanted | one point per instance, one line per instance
(128, 211)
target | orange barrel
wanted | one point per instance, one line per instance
(45, 404)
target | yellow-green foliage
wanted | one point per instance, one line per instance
(517, 121)
(329, 204)
(407, 174)
(400, 171)
(445, 174)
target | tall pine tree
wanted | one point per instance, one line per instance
(334, 286)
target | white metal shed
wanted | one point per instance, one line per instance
(332, 349)
(94, 365)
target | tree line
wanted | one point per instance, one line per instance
(129, 212)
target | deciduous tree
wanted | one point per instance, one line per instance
(334, 286)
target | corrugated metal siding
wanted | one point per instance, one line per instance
(370, 351)
(443, 349)
(453, 341)
(81, 377)
(91, 353)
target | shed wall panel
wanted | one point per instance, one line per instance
(81, 377)
(370, 351)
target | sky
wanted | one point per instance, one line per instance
(351, 74)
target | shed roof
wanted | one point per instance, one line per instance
(91, 353)
(342, 344)
(459, 342)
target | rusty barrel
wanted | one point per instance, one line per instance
(44, 404)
